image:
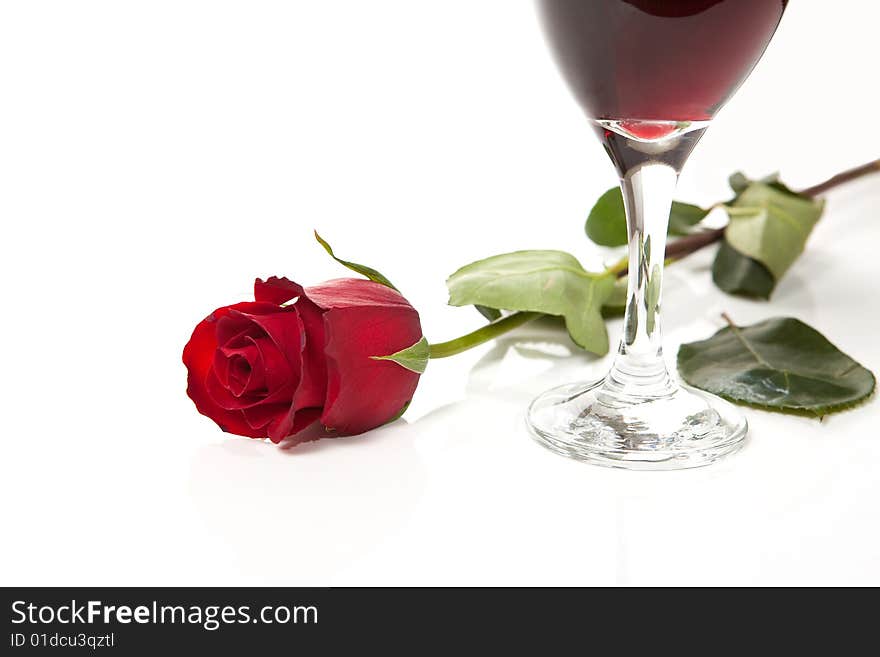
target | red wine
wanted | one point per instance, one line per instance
(658, 60)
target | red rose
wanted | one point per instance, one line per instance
(264, 369)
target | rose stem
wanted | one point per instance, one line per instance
(842, 178)
(693, 243)
(481, 335)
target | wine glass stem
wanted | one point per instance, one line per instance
(647, 194)
(648, 177)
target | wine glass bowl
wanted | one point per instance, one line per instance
(650, 74)
(657, 60)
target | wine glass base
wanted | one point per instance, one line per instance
(685, 428)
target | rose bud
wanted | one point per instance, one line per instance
(347, 353)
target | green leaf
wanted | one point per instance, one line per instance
(489, 313)
(739, 182)
(733, 270)
(363, 270)
(549, 282)
(684, 217)
(779, 364)
(606, 224)
(414, 358)
(771, 226)
(738, 274)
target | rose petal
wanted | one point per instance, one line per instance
(276, 290)
(259, 417)
(285, 330)
(281, 340)
(240, 368)
(354, 293)
(292, 424)
(198, 356)
(363, 319)
(275, 366)
(312, 387)
(239, 375)
(235, 327)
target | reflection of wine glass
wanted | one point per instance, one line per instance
(650, 74)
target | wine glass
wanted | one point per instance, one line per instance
(651, 75)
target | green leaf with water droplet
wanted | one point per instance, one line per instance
(780, 365)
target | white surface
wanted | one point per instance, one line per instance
(156, 156)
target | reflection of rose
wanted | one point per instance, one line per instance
(263, 369)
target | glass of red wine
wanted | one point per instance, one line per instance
(650, 75)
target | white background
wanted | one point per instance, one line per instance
(157, 156)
